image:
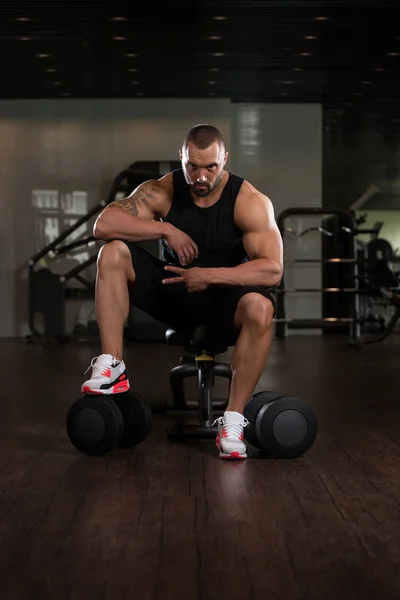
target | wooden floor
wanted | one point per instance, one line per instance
(169, 521)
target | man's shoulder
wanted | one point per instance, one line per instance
(166, 179)
(166, 183)
(250, 202)
(248, 190)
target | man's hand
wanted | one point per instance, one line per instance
(183, 245)
(194, 278)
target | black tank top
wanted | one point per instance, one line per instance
(213, 228)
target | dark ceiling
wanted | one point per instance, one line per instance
(287, 51)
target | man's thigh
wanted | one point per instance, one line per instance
(221, 315)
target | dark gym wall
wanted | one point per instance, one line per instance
(362, 148)
(361, 162)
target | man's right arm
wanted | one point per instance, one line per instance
(133, 218)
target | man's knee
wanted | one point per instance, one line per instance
(255, 310)
(114, 255)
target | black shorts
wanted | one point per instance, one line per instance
(177, 308)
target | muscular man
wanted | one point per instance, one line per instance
(222, 254)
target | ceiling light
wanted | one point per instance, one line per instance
(219, 54)
(392, 54)
(321, 18)
(305, 54)
(119, 38)
(297, 69)
(22, 19)
(287, 82)
(214, 37)
(219, 18)
(51, 70)
(132, 70)
(135, 82)
(43, 55)
(24, 39)
(378, 69)
(214, 69)
(131, 55)
(118, 19)
(366, 82)
(310, 37)
(212, 82)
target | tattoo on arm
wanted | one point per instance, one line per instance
(141, 198)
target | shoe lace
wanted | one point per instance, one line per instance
(233, 429)
(96, 369)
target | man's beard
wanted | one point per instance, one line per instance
(204, 189)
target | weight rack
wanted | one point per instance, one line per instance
(353, 321)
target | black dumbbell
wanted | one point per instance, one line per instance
(97, 424)
(282, 426)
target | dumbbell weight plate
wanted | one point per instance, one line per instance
(94, 424)
(286, 428)
(256, 402)
(137, 418)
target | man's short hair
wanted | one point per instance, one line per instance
(203, 136)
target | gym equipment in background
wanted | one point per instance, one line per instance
(346, 293)
(334, 320)
(384, 285)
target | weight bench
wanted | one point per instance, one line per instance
(200, 346)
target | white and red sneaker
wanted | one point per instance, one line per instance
(230, 437)
(108, 376)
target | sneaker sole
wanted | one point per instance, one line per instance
(119, 388)
(232, 455)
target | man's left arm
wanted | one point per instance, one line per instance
(254, 215)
